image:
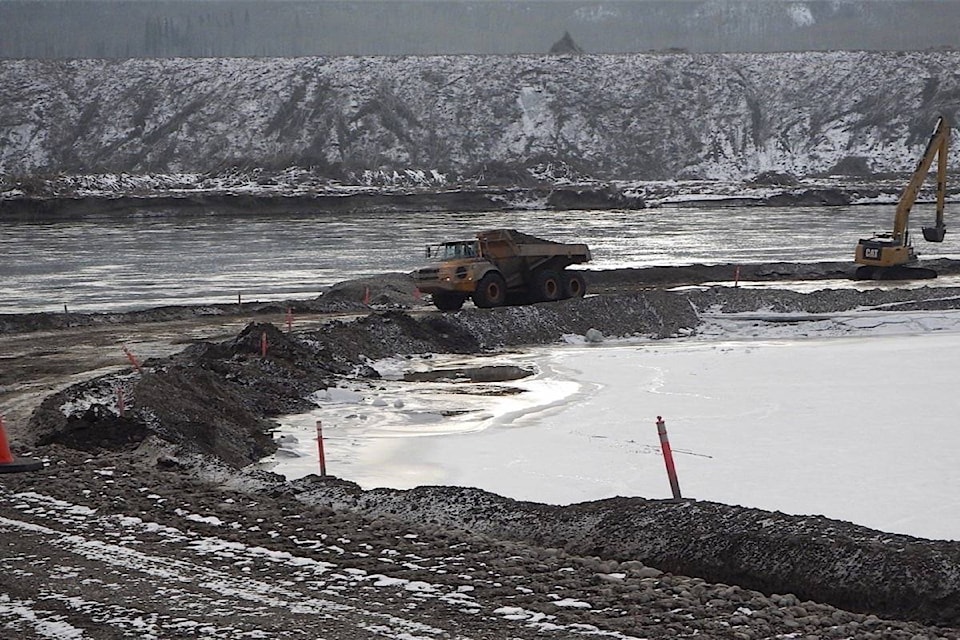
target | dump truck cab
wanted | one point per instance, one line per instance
(453, 272)
(453, 250)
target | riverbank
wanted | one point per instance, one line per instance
(69, 197)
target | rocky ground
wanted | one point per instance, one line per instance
(148, 522)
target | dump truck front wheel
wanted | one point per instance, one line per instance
(491, 291)
(448, 301)
(574, 285)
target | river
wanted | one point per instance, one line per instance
(139, 260)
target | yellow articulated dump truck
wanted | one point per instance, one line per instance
(501, 267)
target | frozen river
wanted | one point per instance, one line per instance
(138, 261)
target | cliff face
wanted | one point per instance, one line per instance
(637, 117)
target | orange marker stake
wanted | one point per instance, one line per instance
(323, 459)
(9, 464)
(668, 458)
(133, 359)
(5, 456)
(263, 344)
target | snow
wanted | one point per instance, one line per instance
(843, 415)
(647, 116)
(72, 528)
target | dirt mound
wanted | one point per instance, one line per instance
(814, 558)
(386, 290)
(210, 398)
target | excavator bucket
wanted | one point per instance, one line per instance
(935, 234)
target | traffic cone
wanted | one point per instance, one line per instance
(9, 464)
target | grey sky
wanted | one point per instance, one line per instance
(168, 28)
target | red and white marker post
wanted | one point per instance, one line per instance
(323, 459)
(132, 358)
(668, 457)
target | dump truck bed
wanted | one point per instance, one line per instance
(508, 243)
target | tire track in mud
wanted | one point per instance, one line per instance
(82, 573)
(150, 564)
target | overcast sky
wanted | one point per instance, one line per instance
(166, 28)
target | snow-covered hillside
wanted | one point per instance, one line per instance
(633, 117)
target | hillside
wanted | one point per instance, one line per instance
(635, 117)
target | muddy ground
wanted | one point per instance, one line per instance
(147, 457)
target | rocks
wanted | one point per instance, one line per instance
(593, 336)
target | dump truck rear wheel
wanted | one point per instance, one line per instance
(574, 285)
(491, 291)
(448, 301)
(547, 286)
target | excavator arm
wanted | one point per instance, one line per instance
(936, 147)
(936, 233)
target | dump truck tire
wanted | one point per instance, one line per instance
(574, 286)
(448, 301)
(547, 285)
(491, 291)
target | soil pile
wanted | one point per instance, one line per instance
(210, 398)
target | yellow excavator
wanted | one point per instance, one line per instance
(890, 256)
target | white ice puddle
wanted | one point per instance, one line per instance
(365, 422)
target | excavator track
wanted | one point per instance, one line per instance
(894, 273)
